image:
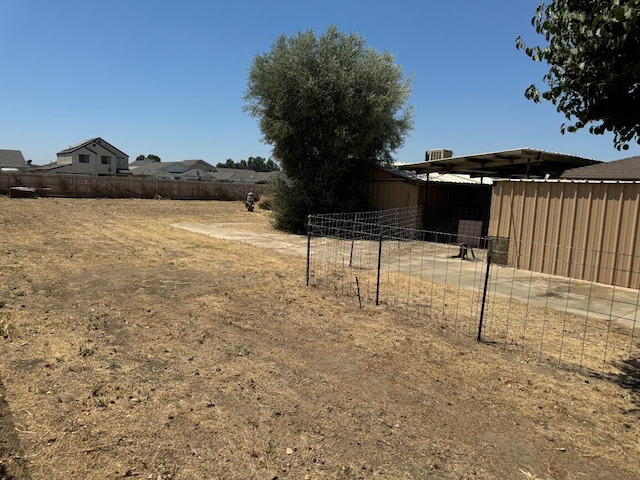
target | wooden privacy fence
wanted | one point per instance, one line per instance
(85, 186)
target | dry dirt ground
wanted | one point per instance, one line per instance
(133, 348)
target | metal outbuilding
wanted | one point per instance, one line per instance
(466, 194)
(444, 201)
(586, 228)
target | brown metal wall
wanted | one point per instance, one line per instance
(585, 230)
(386, 191)
(443, 204)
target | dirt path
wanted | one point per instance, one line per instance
(247, 233)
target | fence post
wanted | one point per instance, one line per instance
(353, 237)
(308, 248)
(379, 265)
(353, 241)
(484, 293)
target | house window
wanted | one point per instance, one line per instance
(83, 158)
(105, 160)
(121, 162)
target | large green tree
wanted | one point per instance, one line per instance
(593, 50)
(330, 106)
(259, 164)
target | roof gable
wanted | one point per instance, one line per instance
(12, 159)
(625, 169)
(199, 165)
(91, 142)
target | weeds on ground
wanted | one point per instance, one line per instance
(6, 329)
(85, 351)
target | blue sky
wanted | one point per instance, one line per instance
(168, 77)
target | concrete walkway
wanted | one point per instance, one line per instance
(592, 300)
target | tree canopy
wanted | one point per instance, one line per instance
(152, 157)
(593, 50)
(330, 106)
(257, 164)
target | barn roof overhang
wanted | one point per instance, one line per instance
(516, 163)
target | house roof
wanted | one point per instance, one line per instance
(199, 164)
(149, 167)
(516, 163)
(92, 142)
(241, 175)
(625, 169)
(12, 159)
(198, 169)
(197, 173)
(55, 168)
(139, 163)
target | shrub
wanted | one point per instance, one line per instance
(265, 202)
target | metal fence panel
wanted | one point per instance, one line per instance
(454, 287)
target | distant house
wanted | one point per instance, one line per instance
(91, 157)
(161, 170)
(184, 170)
(199, 165)
(197, 170)
(240, 175)
(12, 161)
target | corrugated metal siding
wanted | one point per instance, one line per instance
(585, 230)
(386, 191)
(444, 204)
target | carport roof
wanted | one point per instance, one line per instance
(516, 163)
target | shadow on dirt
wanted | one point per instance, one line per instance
(629, 379)
(12, 464)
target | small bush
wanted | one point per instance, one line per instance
(265, 202)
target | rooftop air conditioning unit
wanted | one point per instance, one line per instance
(439, 154)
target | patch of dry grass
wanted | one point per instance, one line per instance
(135, 349)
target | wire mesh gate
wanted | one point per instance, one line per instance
(450, 282)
